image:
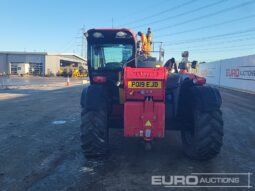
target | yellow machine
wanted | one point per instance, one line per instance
(73, 71)
(79, 73)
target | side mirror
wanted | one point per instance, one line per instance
(86, 34)
(194, 64)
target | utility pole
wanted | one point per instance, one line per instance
(83, 40)
(83, 44)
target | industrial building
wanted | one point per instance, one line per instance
(38, 63)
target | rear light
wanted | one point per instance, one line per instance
(99, 79)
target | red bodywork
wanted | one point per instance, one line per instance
(196, 79)
(144, 102)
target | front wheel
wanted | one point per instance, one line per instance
(205, 139)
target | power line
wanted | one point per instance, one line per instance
(234, 36)
(218, 45)
(70, 43)
(204, 42)
(207, 15)
(161, 12)
(208, 26)
(249, 47)
(224, 47)
(231, 50)
(224, 42)
(216, 50)
(136, 12)
(209, 37)
(182, 14)
(150, 5)
(213, 53)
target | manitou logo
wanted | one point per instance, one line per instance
(174, 180)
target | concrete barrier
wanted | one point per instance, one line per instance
(235, 73)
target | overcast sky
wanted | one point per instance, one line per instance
(210, 30)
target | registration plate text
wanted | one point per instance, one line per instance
(144, 84)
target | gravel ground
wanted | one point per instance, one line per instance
(39, 138)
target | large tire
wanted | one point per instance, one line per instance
(204, 140)
(94, 132)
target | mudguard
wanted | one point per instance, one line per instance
(193, 97)
(173, 85)
(94, 97)
(205, 98)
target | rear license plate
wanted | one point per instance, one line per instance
(144, 84)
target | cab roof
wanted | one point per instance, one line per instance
(110, 35)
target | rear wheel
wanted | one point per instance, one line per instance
(94, 133)
(204, 140)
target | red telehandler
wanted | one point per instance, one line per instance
(132, 90)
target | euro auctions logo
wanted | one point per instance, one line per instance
(216, 180)
(241, 72)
